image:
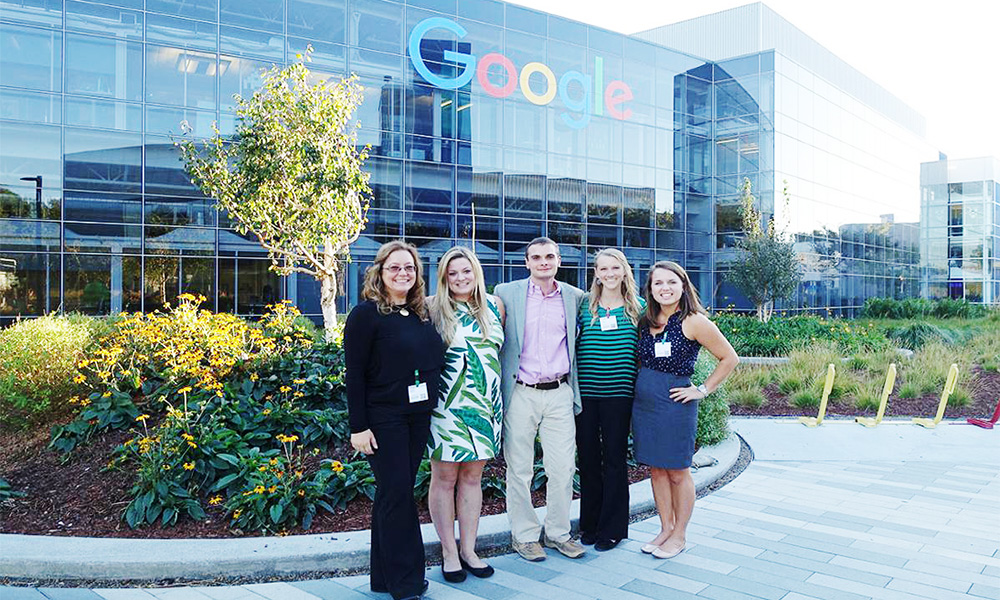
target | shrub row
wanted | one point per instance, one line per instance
(913, 308)
(779, 337)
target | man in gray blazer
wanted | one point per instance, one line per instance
(538, 364)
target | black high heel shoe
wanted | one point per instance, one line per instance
(453, 576)
(480, 572)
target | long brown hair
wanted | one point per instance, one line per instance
(630, 291)
(689, 303)
(374, 288)
(442, 305)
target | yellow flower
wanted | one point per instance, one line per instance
(142, 418)
(192, 444)
(266, 412)
(166, 467)
(85, 402)
(187, 436)
(298, 381)
(79, 379)
(184, 390)
(259, 489)
(301, 493)
(262, 468)
(215, 500)
(337, 466)
(254, 377)
(274, 461)
(284, 389)
(189, 466)
(106, 394)
(236, 514)
(272, 489)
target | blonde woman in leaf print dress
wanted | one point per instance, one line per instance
(466, 425)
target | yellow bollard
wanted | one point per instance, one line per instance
(949, 387)
(890, 380)
(831, 372)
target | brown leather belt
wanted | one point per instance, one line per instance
(545, 385)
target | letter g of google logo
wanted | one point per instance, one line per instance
(579, 103)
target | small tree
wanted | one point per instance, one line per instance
(291, 175)
(767, 268)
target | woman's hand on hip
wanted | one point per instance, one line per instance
(364, 442)
(685, 394)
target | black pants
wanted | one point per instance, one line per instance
(601, 446)
(397, 555)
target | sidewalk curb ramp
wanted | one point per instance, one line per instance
(81, 558)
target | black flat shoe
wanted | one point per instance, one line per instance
(480, 572)
(453, 576)
(605, 545)
(423, 591)
(588, 539)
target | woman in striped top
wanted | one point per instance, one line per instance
(606, 367)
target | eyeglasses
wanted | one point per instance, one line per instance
(395, 269)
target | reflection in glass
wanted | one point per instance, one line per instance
(103, 67)
(29, 283)
(178, 76)
(31, 57)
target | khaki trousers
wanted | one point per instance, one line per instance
(549, 414)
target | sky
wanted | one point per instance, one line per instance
(940, 57)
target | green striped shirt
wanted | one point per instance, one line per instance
(606, 360)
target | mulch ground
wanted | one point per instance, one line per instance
(81, 498)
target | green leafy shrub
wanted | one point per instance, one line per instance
(38, 363)
(713, 410)
(7, 492)
(916, 308)
(781, 335)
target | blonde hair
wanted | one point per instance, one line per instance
(630, 290)
(442, 305)
(374, 287)
(689, 303)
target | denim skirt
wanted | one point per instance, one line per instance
(663, 431)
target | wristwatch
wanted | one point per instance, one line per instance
(704, 390)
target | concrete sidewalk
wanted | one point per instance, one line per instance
(835, 513)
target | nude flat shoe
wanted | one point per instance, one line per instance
(658, 553)
(648, 548)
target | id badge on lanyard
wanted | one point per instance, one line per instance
(661, 349)
(417, 391)
(609, 323)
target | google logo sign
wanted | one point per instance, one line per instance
(611, 98)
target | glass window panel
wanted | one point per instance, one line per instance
(233, 243)
(604, 41)
(386, 182)
(602, 236)
(429, 187)
(33, 107)
(178, 76)
(486, 11)
(205, 10)
(377, 25)
(634, 237)
(479, 192)
(165, 173)
(566, 198)
(100, 237)
(566, 30)
(103, 67)
(247, 42)
(524, 19)
(523, 196)
(30, 151)
(101, 285)
(161, 210)
(100, 18)
(180, 32)
(104, 207)
(31, 57)
(29, 283)
(384, 222)
(103, 160)
(160, 281)
(327, 59)
(517, 234)
(37, 12)
(566, 233)
(239, 76)
(164, 120)
(638, 204)
(486, 233)
(604, 203)
(429, 111)
(179, 240)
(427, 225)
(524, 126)
(321, 20)
(103, 114)
(17, 235)
(256, 286)
(263, 15)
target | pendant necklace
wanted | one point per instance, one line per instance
(404, 312)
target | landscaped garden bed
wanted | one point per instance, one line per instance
(195, 424)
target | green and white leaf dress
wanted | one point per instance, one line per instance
(467, 422)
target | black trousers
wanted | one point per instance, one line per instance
(601, 446)
(397, 555)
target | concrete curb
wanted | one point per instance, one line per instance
(69, 558)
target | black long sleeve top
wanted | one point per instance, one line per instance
(382, 352)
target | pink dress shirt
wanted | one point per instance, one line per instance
(544, 354)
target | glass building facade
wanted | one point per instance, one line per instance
(960, 229)
(489, 124)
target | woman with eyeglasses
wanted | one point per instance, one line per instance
(468, 419)
(394, 358)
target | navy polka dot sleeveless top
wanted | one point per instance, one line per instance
(683, 352)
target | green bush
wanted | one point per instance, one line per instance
(915, 335)
(916, 308)
(781, 335)
(38, 363)
(747, 398)
(713, 411)
(806, 399)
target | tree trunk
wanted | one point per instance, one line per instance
(328, 302)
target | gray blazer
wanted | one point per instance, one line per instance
(515, 298)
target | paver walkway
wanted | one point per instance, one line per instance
(783, 530)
